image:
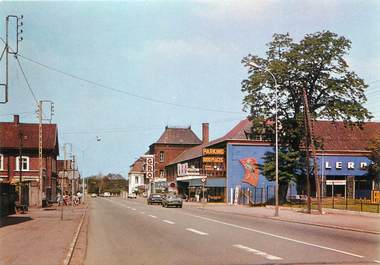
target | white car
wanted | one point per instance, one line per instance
(132, 196)
(107, 194)
(94, 195)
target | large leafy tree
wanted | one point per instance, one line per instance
(316, 63)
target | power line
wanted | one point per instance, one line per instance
(26, 80)
(123, 91)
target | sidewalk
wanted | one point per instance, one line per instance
(346, 220)
(38, 237)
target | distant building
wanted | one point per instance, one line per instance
(230, 162)
(136, 177)
(171, 144)
(64, 182)
(20, 141)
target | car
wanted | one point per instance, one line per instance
(107, 194)
(94, 195)
(154, 198)
(172, 200)
(132, 196)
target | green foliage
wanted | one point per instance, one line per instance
(315, 63)
(374, 156)
(112, 183)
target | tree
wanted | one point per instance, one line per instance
(315, 63)
(290, 168)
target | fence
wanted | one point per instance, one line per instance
(266, 196)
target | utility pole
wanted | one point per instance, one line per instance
(307, 164)
(40, 151)
(314, 152)
(7, 50)
(20, 160)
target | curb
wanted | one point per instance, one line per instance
(74, 241)
(304, 223)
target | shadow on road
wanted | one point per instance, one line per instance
(13, 220)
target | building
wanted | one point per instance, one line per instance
(19, 158)
(230, 163)
(172, 142)
(64, 183)
(136, 177)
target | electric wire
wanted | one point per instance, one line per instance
(26, 80)
(123, 91)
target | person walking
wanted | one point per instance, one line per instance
(79, 195)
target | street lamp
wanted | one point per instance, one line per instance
(254, 65)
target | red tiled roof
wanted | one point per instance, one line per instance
(137, 166)
(10, 139)
(61, 165)
(237, 133)
(178, 136)
(338, 137)
(333, 136)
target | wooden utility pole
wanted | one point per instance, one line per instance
(314, 152)
(40, 197)
(307, 164)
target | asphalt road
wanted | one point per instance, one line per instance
(130, 232)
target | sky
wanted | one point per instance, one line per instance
(186, 55)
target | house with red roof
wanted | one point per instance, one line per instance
(19, 159)
(230, 163)
(173, 142)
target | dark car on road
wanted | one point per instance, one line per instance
(172, 200)
(154, 198)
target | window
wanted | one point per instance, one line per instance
(1, 162)
(162, 156)
(136, 180)
(24, 163)
(162, 174)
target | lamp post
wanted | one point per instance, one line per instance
(254, 65)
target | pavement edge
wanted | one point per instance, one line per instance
(75, 239)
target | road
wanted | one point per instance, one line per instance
(130, 232)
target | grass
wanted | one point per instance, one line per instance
(342, 204)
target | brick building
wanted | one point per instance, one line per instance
(170, 145)
(21, 140)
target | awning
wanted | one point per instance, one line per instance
(211, 182)
(190, 177)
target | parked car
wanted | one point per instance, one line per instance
(172, 200)
(132, 196)
(154, 198)
(107, 194)
(94, 195)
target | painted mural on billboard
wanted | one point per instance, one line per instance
(251, 175)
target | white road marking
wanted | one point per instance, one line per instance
(277, 236)
(153, 216)
(169, 222)
(197, 232)
(377, 261)
(142, 212)
(133, 209)
(258, 252)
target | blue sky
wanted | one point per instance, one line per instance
(185, 52)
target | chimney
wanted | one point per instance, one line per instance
(16, 119)
(205, 133)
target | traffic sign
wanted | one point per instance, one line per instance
(203, 180)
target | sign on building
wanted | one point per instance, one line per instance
(149, 166)
(213, 151)
(182, 169)
(213, 159)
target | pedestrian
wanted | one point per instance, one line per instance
(59, 199)
(79, 195)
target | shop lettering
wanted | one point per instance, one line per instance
(208, 151)
(350, 165)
